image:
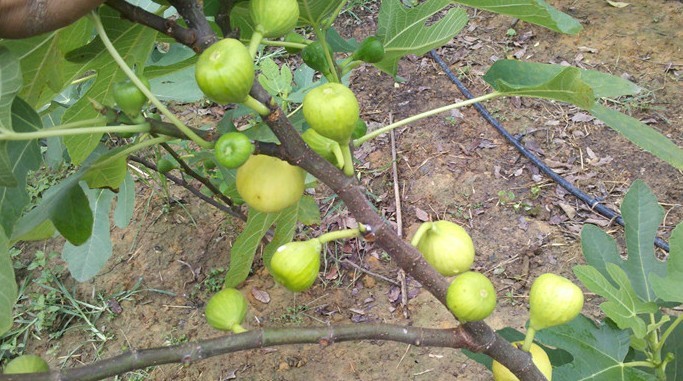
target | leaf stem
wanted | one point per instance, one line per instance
(131, 75)
(135, 128)
(645, 364)
(127, 151)
(668, 332)
(79, 123)
(339, 234)
(423, 115)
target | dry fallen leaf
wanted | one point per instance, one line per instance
(260, 295)
(618, 4)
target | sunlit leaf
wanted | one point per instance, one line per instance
(244, 247)
(642, 217)
(598, 352)
(623, 305)
(541, 81)
(108, 171)
(533, 11)
(641, 135)
(133, 42)
(314, 12)
(670, 287)
(45, 71)
(406, 31)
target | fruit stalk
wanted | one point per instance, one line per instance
(339, 234)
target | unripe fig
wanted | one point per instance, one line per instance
(553, 300)
(295, 265)
(538, 356)
(26, 364)
(274, 18)
(226, 310)
(371, 50)
(225, 71)
(269, 184)
(129, 98)
(332, 111)
(471, 297)
(446, 246)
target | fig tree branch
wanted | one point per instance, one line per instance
(207, 183)
(233, 211)
(166, 26)
(259, 338)
(192, 12)
(480, 338)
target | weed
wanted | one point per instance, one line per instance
(215, 279)
(293, 314)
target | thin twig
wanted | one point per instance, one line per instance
(361, 269)
(397, 192)
(207, 183)
(178, 181)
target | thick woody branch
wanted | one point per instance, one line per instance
(193, 14)
(168, 27)
(260, 338)
(480, 337)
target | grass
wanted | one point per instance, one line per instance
(47, 309)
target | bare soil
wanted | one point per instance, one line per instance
(451, 166)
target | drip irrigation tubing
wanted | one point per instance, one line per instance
(590, 201)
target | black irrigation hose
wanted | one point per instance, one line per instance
(593, 203)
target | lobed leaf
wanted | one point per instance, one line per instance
(125, 202)
(622, 305)
(533, 11)
(642, 217)
(24, 156)
(133, 42)
(314, 12)
(86, 260)
(670, 287)
(8, 286)
(641, 135)
(244, 247)
(405, 31)
(598, 351)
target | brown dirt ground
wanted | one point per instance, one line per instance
(449, 167)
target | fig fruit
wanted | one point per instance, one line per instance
(538, 356)
(295, 265)
(226, 310)
(446, 246)
(269, 184)
(553, 300)
(471, 297)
